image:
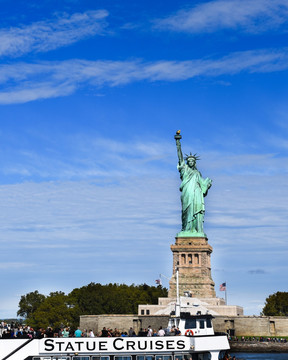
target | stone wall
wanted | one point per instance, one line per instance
(154, 321)
(122, 322)
(97, 322)
(236, 325)
(227, 310)
(271, 326)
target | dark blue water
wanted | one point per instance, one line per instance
(266, 356)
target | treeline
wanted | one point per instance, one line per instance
(276, 304)
(59, 310)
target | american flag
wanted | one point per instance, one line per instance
(223, 287)
(158, 281)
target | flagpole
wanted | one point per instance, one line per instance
(178, 306)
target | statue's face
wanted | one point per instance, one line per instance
(191, 162)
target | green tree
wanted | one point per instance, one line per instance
(29, 303)
(55, 312)
(96, 299)
(276, 305)
(58, 309)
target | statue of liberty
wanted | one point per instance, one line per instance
(193, 190)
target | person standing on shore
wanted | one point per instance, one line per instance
(78, 332)
(65, 333)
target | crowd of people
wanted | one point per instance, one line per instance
(14, 330)
(106, 332)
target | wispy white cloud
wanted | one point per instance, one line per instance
(114, 159)
(15, 265)
(51, 34)
(27, 82)
(249, 16)
(75, 159)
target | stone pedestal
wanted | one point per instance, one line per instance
(192, 257)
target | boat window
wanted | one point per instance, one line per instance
(188, 357)
(122, 357)
(162, 357)
(198, 356)
(202, 324)
(178, 357)
(167, 357)
(204, 356)
(149, 357)
(100, 358)
(51, 358)
(140, 357)
(190, 324)
(80, 358)
(209, 323)
(60, 357)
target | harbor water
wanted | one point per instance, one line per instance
(257, 356)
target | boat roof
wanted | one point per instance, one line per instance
(187, 315)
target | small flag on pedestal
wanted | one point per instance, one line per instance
(223, 287)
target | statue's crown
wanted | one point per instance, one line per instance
(195, 156)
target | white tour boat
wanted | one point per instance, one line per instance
(199, 343)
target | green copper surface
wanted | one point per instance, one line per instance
(193, 190)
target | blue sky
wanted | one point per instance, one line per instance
(91, 94)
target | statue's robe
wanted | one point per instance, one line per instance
(193, 189)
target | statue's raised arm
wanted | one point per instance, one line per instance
(193, 190)
(178, 137)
